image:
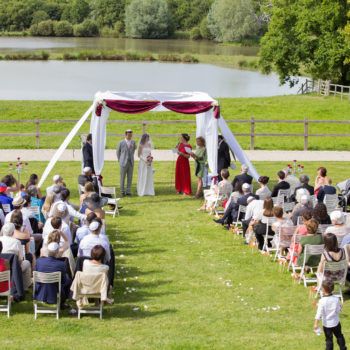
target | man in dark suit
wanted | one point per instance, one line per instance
(243, 177)
(326, 189)
(281, 185)
(304, 180)
(86, 176)
(224, 158)
(88, 159)
(48, 292)
(231, 213)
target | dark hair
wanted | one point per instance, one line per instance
(281, 174)
(8, 180)
(220, 137)
(268, 207)
(225, 173)
(27, 198)
(89, 137)
(278, 212)
(331, 242)
(33, 178)
(17, 219)
(328, 286)
(306, 214)
(56, 222)
(65, 193)
(90, 217)
(263, 179)
(323, 171)
(238, 187)
(0, 247)
(320, 213)
(98, 253)
(186, 137)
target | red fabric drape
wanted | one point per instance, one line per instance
(131, 107)
(188, 107)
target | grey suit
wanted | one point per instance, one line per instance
(125, 157)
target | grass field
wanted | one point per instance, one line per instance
(280, 107)
(182, 266)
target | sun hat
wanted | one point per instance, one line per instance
(94, 226)
(246, 186)
(56, 178)
(3, 187)
(53, 247)
(8, 229)
(96, 201)
(56, 189)
(18, 201)
(87, 169)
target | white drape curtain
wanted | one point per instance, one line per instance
(236, 148)
(98, 131)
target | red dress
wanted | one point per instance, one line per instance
(4, 287)
(183, 173)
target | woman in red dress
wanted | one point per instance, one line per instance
(183, 173)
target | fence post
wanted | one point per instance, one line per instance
(37, 131)
(306, 134)
(252, 133)
(144, 127)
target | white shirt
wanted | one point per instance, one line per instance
(26, 223)
(89, 241)
(263, 192)
(128, 142)
(49, 189)
(328, 310)
(254, 208)
(84, 231)
(72, 212)
(11, 245)
(89, 267)
(2, 217)
(64, 228)
(293, 182)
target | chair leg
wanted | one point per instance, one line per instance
(101, 308)
(8, 306)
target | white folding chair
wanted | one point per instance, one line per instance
(269, 222)
(300, 220)
(293, 253)
(285, 238)
(288, 206)
(331, 202)
(322, 228)
(241, 209)
(313, 200)
(6, 208)
(310, 250)
(335, 271)
(81, 189)
(46, 278)
(5, 276)
(111, 201)
(283, 195)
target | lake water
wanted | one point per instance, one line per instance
(58, 80)
(8, 44)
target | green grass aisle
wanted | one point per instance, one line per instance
(182, 282)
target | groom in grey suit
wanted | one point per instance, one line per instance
(125, 155)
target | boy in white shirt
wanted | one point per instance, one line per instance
(328, 310)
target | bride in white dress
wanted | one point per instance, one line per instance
(145, 186)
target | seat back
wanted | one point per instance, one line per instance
(108, 190)
(331, 202)
(286, 234)
(35, 210)
(336, 271)
(283, 195)
(5, 276)
(288, 206)
(46, 277)
(312, 249)
(81, 189)
(322, 228)
(6, 208)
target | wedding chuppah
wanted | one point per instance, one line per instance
(206, 109)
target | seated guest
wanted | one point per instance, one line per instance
(300, 207)
(320, 214)
(36, 200)
(253, 212)
(58, 237)
(263, 192)
(96, 265)
(304, 180)
(18, 203)
(281, 185)
(33, 182)
(280, 219)
(237, 193)
(49, 201)
(291, 179)
(48, 292)
(338, 224)
(94, 238)
(321, 179)
(326, 189)
(11, 245)
(57, 223)
(312, 237)
(4, 266)
(243, 177)
(4, 197)
(282, 223)
(2, 216)
(86, 176)
(12, 184)
(88, 191)
(57, 181)
(94, 203)
(83, 230)
(306, 216)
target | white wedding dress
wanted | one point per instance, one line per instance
(145, 186)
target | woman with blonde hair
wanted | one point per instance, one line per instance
(88, 191)
(49, 201)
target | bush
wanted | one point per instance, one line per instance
(44, 28)
(195, 34)
(63, 28)
(205, 32)
(87, 28)
(39, 16)
(148, 19)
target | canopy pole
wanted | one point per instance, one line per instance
(64, 145)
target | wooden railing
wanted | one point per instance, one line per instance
(325, 88)
(145, 123)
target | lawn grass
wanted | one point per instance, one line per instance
(180, 263)
(279, 107)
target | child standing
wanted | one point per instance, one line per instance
(328, 310)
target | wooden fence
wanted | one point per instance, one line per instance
(145, 123)
(325, 88)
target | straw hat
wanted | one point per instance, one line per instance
(95, 201)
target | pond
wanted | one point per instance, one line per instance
(8, 44)
(58, 80)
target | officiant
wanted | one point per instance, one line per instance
(125, 154)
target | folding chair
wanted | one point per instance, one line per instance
(110, 191)
(282, 196)
(322, 228)
(288, 206)
(241, 210)
(293, 253)
(300, 220)
(6, 208)
(5, 276)
(269, 222)
(313, 200)
(81, 189)
(34, 211)
(285, 237)
(218, 204)
(43, 277)
(335, 271)
(331, 201)
(310, 250)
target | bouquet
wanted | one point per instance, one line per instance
(295, 168)
(149, 160)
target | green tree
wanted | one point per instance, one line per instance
(232, 20)
(148, 19)
(107, 12)
(44, 28)
(76, 11)
(308, 35)
(63, 28)
(86, 28)
(39, 16)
